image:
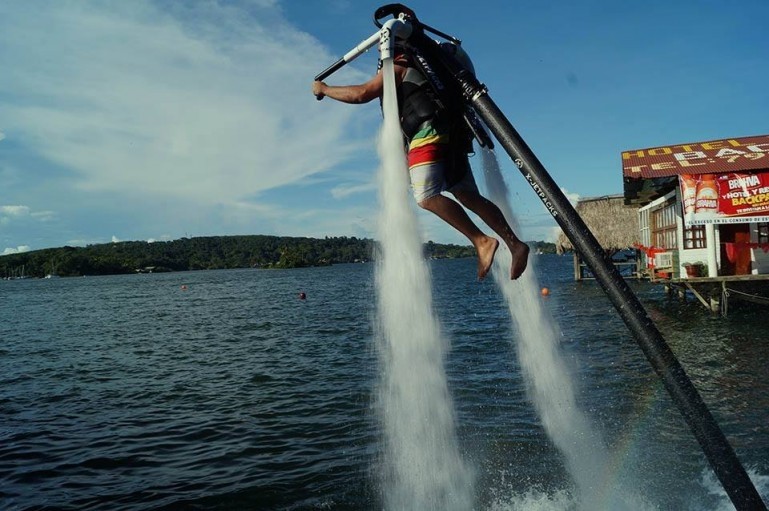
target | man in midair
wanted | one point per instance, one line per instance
(438, 145)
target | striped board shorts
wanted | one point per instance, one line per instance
(435, 165)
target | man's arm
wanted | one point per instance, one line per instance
(353, 94)
(356, 94)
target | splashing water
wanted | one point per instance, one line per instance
(422, 469)
(546, 374)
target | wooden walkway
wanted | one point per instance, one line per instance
(715, 292)
(628, 269)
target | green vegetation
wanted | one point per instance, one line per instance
(205, 253)
(542, 247)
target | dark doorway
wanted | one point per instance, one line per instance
(735, 249)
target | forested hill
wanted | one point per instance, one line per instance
(204, 253)
(199, 254)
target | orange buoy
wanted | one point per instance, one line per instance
(545, 291)
(302, 296)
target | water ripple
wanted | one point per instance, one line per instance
(125, 393)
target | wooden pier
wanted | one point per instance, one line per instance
(714, 293)
(629, 268)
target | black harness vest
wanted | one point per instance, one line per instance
(416, 101)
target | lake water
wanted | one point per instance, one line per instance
(225, 390)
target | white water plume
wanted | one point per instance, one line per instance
(546, 374)
(422, 468)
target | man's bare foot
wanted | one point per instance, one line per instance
(486, 250)
(520, 254)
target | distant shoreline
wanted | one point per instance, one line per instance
(211, 252)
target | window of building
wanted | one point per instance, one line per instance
(643, 221)
(664, 226)
(763, 232)
(694, 237)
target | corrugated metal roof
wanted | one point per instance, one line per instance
(711, 157)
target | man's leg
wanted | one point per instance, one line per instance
(490, 213)
(453, 214)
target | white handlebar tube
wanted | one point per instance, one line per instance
(395, 28)
(362, 47)
(351, 55)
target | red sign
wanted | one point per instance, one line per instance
(725, 198)
(713, 157)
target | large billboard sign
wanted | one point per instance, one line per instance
(725, 198)
(713, 157)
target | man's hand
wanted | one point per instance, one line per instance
(317, 90)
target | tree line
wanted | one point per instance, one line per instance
(208, 253)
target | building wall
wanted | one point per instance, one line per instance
(681, 256)
(692, 255)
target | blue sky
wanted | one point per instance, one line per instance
(157, 120)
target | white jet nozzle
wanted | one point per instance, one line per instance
(392, 30)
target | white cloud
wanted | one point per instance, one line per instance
(17, 250)
(572, 197)
(43, 216)
(115, 239)
(11, 213)
(345, 190)
(14, 211)
(209, 103)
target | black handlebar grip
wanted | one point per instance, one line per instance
(331, 69)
